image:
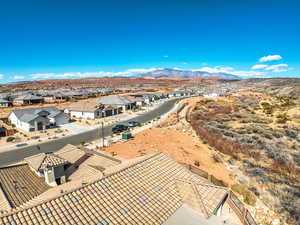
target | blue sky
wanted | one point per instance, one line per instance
(60, 39)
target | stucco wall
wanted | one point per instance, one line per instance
(87, 115)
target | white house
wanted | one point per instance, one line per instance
(91, 110)
(211, 95)
(148, 98)
(138, 101)
(5, 103)
(33, 119)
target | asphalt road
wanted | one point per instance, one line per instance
(19, 154)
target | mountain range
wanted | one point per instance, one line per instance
(174, 73)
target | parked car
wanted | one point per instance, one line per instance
(119, 128)
(133, 123)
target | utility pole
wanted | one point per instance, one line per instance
(102, 131)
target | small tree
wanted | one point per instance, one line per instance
(10, 139)
(197, 163)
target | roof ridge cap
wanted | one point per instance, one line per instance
(32, 156)
(42, 161)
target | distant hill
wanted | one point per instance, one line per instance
(172, 73)
(278, 81)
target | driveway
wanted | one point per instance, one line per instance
(75, 128)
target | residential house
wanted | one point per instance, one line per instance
(91, 110)
(138, 101)
(148, 98)
(152, 189)
(180, 93)
(76, 94)
(170, 94)
(211, 95)
(5, 103)
(28, 99)
(54, 96)
(117, 101)
(49, 166)
(159, 95)
(33, 119)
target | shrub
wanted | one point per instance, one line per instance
(285, 163)
(218, 182)
(248, 196)
(197, 163)
(291, 133)
(282, 118)
(217, 158)
(10, 139)
(267, 108)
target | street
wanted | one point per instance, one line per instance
(12, 156)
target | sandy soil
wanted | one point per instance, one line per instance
(179, 142)
(26, 137)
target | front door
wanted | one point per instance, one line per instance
(40, 126)
(58, 181)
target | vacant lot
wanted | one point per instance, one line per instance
(261, 131)
(178, 141)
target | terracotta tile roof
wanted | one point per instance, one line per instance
(20, 184)
(35, 161)
(103, 162)
(204, 198)
(52, 160)
(44, 160)
(143, 192)
(70, 153)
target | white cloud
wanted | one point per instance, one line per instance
(1, 76)
(217, 69)
(126, 73)
(16, 77)
(166, 56)
(259, 66)
(270, 58)
(231, 70)
(277, 68)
